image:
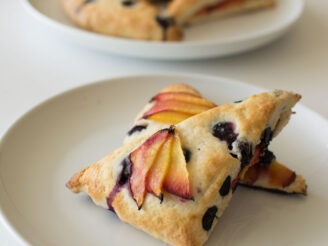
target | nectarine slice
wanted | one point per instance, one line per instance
(142, 159)
(183, 97)
(160, 168)
(169, 117)
(177, 178)
(280, 175)
(176, 106)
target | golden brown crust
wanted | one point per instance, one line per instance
(180, 222)
(111, 17)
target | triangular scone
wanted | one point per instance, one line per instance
(192, 11)
(123, 18)
(178, 102)
(194, 191)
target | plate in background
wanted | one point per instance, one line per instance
(213, 39)
(42, 150)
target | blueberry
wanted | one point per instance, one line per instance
(171, 130)
(88, 1)
(234, 156)
(267, 157)
(164, 22)
(239, 101)
(225, 132)
(187, 154)
(246, 152)
(224, 190)
(208, 217)
(125, 173)
(136, 128)
(266, 137)
(128, 3)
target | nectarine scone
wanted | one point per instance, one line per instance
(136, 19)
(152, 184)
(178, 102)
(145, 20)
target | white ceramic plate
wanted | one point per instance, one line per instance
(74, 129)
(218, 38)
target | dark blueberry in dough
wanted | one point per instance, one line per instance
(88, 1)
(266, 137)
(136, 128)
(128, 3)
(224, 190)
(208, 217)
(125, 173)
(164, 22)
(246, 152)
(267, 158)
(225, 132)
(239, 101)
(234, 156)
(187, 154)
(171, 130)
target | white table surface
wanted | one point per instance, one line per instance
(35, 65)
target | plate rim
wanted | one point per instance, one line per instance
(5, 221)
(43, 18)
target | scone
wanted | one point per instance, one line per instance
(150, 184)
(192, 11)
(136, 19)
(178, 102)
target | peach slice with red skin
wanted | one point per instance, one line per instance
(280, 175)
(160, 168)
(177, 179)
(252, 174)
(275, 174)
(174, 107)
(253, 162)
(169, 117)
(183, 97)
(159, 164)
(142, 160)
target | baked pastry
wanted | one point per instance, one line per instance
(141, 19)
(137, 19)
(178, 102)
(192, 11)
(152, 186)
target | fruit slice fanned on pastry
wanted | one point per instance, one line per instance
(206, 178)
(159, 164)
(178, 102)
(186, 11)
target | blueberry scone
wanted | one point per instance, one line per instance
(178, 102)
(153, 185)
(136, 19)
(145, 20)
(192, 11)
